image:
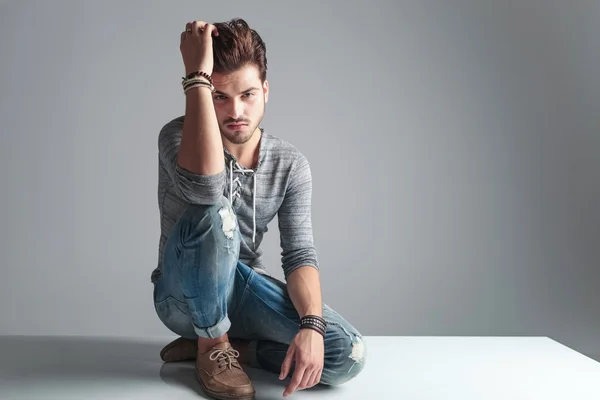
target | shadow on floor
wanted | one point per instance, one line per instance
(74, 358)
(41, 357)
(183, 374)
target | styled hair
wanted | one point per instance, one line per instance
(237, 46)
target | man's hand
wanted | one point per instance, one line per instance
(308, 350)
(196, 47)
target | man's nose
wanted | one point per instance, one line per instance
(237, 109)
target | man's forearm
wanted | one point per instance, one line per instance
(201, 150)
(304, 288)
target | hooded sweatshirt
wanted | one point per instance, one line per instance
(281, 184)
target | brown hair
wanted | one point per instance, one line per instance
(238, 45)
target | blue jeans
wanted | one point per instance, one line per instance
(205, 291)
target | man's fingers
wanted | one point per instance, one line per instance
(287, 363)
(295, 382)
(307, 379)
(209, 29)
(313, 378)
(318, 378)
(195, 27)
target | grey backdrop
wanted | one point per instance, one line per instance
(454, 146)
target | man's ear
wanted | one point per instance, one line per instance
(266, 90)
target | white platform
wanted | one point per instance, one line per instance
(403, 368)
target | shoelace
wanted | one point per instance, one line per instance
(226, 357)
(232, 194)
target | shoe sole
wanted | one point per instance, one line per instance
(223, 396)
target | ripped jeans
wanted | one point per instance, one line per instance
(205, 291)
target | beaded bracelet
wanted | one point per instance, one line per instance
(192, 83)
(196, 80)
(198, 73)
(187, 89)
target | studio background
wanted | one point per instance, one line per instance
(454, 145)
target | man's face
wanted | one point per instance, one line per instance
(240, 99)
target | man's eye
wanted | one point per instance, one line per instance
(248, 94)
(219, 97)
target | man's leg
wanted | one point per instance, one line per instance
(196, 289)
(199, 263)
(268, 318)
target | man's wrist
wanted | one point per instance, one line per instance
(314, 331)
(314, 322)
(318, 311)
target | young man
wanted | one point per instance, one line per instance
(222, 179)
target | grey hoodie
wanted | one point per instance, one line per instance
(281, 185)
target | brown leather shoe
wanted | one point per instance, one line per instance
(180, 349)
(221, 375)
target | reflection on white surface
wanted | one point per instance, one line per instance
(397, 368)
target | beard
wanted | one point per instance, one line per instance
(241, 136)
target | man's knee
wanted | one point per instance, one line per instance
(346, 361)
(202, 219)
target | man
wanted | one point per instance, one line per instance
(222, 179)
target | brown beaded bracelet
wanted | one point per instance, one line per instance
(198, 73)
(196, 81)
(192, 85)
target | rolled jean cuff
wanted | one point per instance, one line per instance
(215, 331)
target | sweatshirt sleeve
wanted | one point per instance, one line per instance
(191, 187)
(294, 218)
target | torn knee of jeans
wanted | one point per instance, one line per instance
(228, 220)
(358, 350)
(358, 347)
